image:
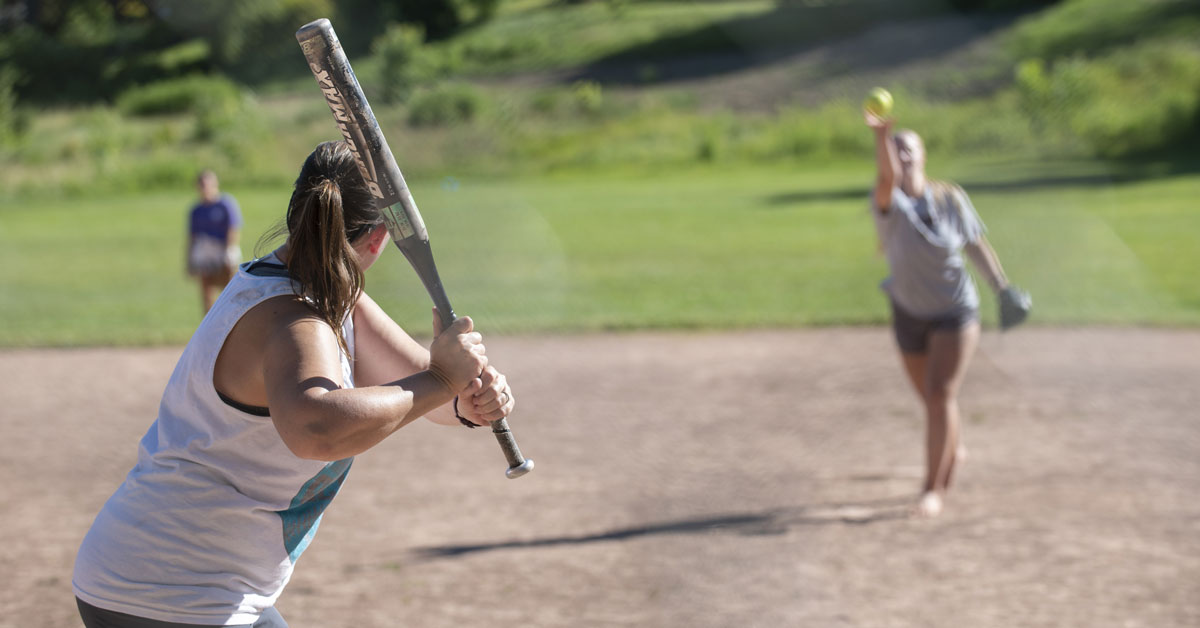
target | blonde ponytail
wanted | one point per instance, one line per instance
(945, 193)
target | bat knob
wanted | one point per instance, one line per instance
(519, 470)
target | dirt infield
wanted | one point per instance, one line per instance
(696, 481)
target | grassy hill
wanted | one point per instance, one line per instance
(625, 165)
(548, 86)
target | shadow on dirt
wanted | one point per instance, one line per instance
(775, 521)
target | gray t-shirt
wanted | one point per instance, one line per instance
(922, 239)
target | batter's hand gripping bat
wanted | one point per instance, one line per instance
(378, 167)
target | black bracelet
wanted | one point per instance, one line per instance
(462, 419)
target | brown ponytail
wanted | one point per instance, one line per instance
(330, 208)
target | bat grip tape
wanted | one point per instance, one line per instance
(507, 443)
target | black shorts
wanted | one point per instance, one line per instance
(912, 332)
(100, 618)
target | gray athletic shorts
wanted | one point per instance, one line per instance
(99, 618)
(912, 333)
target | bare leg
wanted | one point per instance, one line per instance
(915, 365)
(949, 354)
(211, 286)
(209, 289)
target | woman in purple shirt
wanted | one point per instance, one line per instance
(924, 227)
(213, 227)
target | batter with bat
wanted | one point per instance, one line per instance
(294, 371)
(924, 228)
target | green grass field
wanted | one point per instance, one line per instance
(786, 245)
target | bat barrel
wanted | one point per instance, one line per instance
(352, 113)
(315, 28)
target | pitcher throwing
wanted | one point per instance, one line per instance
(924, 226)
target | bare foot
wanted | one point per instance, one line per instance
(929, 506)
(960, 454)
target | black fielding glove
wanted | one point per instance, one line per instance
(1015, 304)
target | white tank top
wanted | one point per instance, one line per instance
(208, 525)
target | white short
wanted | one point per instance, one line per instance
(209, 256)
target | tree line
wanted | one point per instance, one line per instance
(82, 51)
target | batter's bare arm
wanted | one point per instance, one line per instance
(384, 352)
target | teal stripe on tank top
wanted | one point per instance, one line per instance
(303, 516)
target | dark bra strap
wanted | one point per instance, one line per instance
(248, 409)
(263, 268)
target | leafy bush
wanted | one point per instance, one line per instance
(44, 60)
(399, 49)
(445, 105)
(252, 40)
(189, 57)
(589, 96)
(1141, 99)
(101, 48)
(190, 94)
(10, 123)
